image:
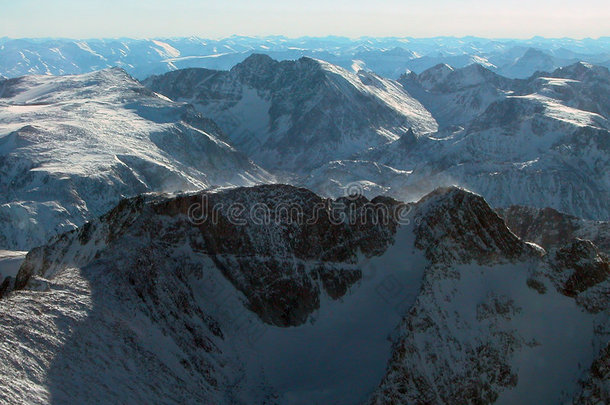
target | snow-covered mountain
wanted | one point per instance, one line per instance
(533, 60)
(456, 96)
(297, 115)
(484, 326)
(388, 57)
(153, 304)
(166, 272)
(72, 146)
(550, 228)
(541, 142)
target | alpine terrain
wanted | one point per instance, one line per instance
(297, 115)
(72, 146)
(540, 142)
(153, 304)
(273, 220)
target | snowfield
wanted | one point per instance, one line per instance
(72, 146)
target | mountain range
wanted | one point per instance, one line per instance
(297, 115)
(388, 57)
(144, 305)
(545, 138)
(73, 146)
(322, 227)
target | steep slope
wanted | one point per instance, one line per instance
(221, 297)
(297, 115)
(456, 96)
(541, 142)
(490, 314)
(550, 228)
(178, 308)
(72, 146)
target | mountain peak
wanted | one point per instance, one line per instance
(115, 72)
(531, 53)
(582, 71)
(432, 77)
(307, 61)
(408, 139)
(441, 68)
(256, 60)
(454, 225)
(256, 70)
(476, 68)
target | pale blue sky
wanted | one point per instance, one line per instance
(353, 18)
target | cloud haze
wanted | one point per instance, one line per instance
(113, 18)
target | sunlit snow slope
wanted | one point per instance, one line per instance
(72, 146)
(541, 142)
(297, 115)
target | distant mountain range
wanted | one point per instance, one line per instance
(388, 57)
(541, 141)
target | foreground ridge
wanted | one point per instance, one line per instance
(226, 305)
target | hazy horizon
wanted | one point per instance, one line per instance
(517, 19)
(329, 36)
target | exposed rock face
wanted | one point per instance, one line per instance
(581, 266)
(550, 228)
(582, 272)
(186, 284)
(455, 226)
(460, 342)
(279, 251)
(297, 115)
(272, 252)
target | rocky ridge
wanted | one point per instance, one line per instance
(160, 265)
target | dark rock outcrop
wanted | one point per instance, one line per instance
(457, 226)
(550, 228)
(279, 245)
